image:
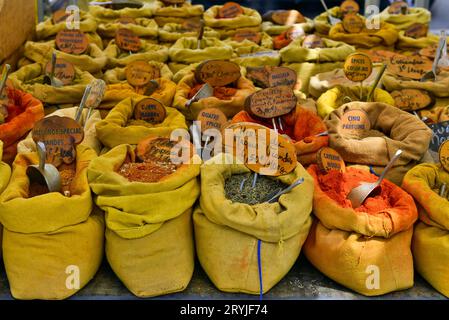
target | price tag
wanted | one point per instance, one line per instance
(191, 25)
(271, 102)
(230, 10)
(140, 73)
(329, 159)
(127, 40)
(354, 122)
(212, 118)
(270, 76)
(412, 99)
(294, 33)
(416, 31)
(440, 134)
(313, 41)
(126, 20)
(287, 17)
(150, 110)
(349, 6)
(358, 67)
(398, 7)
(162, 149)
(64, 71)
(72, 41)
(411, 67)
(250, 35)
(428, 52)
(60, 136)
(353, 23)
(259, 145)
(379, 56)
(217, 73)
(444, 155)
(60, 16)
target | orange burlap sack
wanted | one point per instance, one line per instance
(301, 125)
(24, 111)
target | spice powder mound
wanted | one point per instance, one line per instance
(147, 171)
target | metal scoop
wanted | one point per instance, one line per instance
(432, 75)
(444, 60)
(51, 79)
(5, 73)
(200, 35)
(275, 198)
(332, 20)
(359, 194)
(206, 91)
(44, 174)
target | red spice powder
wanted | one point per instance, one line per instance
(222, 93)
(281, 41)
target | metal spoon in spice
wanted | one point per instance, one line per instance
(44, 174)
(275, 198)
(432, 75)
(51, 79)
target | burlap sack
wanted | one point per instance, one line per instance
(103, 14)
(93, 61)
(229, 33)
(118, 75)
(5, 174)
(340, 95)
(144, 28)
(149, 240)
(52, 244)
(181, 73)
(119, 127)
(333, 51)
(391, 129)
(228, 234)
(439, 88)
(172, 32)
(321, 22)
(29, 79)
(147, 52)
(185, 10)
(186, 51)
(241, 47)
(249, 18)
(254, 56)
(402, 22)
(431, 238)
(274, 29)
(387, 35)
(408, 43)
(47, 29)
(230, 107)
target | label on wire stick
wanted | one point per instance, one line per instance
(287, 17)
(218, 73)
(444, 155)
(355, 121)
(212, 118)
(358, 67)
(349, 6)
(72, 41)
(150, 110)
(127, 40)
(271, 102)
(64, 71)
(140, 73)
(352, 23)
(230, 10)
(329, 159)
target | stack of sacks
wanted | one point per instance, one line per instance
(178, 14)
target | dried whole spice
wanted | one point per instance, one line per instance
(67, 173)
(148, 171)
(36, 189)
(222, 93)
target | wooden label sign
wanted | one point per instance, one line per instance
(329, 159)
(140, 73)
(250, 35)
(444, 155)
(161, 150)
(294, 33)
(349, 6)
(313, 41)
(150, 110)
(355, 121)
(191, 25)
(212, 118)
(412, 99)
(72, 41)
(440, 134)
(271, 102)
(126, 20)
(64, 71)
(127, 40)
(230, 10)
(251, 138)
(411, 67)
(379, 56)
(398, 7)
(270, 76)
(358, 67)
(428, 52)
(353, 23)
(287, 17)
(217, 73)
(60, 136)
(416, 31)
(60, 16)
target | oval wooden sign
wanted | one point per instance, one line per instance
(428, 52)
(140, 73)
(354, 122)
(443, 153)
(250, 35)
(412, 99)
(217, 73)
(161, 150)
(349, 6)
(256, 146)
(191, 25)
(60, 136)
(352, 23)
(329, 159)
(127, 40)
(313, 41)
(398, 7)
(230, 10)
(150, 110)
(287, 17)
(64, 71)
(212, 118)
(411, 67)
(358, 67)
(416, 31)
(271, 102)
(126, 20)
(379, 56)
(269, 76)
(72, 41)
(294, 33)
(60, 16)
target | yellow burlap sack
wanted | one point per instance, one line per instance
(402, 22)
(391, 129)
(185, 50)
(147, 52)
(431, 238)
(439, 87)
(249, 18)
(245, 46)
(172, 32)
(5, 174)
(228, 33)
(408, 43)
(119, 127)
(185, 10)
(103, 14)
(120, 91)
(274, 29)
(93, 61)
(29, 79)
(118, 75)
(321, 22)
(181, 73)
(340, 95)
(387, 35)
(149, 240)
(230, 107)
(333, 51)
(52, 245)
(257, 56)
(227, 233)
(144, 28)
(47, 29)
(306, 70)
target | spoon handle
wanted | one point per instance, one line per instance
(5, 73)
(438, 55)
(286, 190)
(388, 167)
(53, 65)
(373, 88)
(42, 153)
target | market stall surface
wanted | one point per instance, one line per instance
(303, 282)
